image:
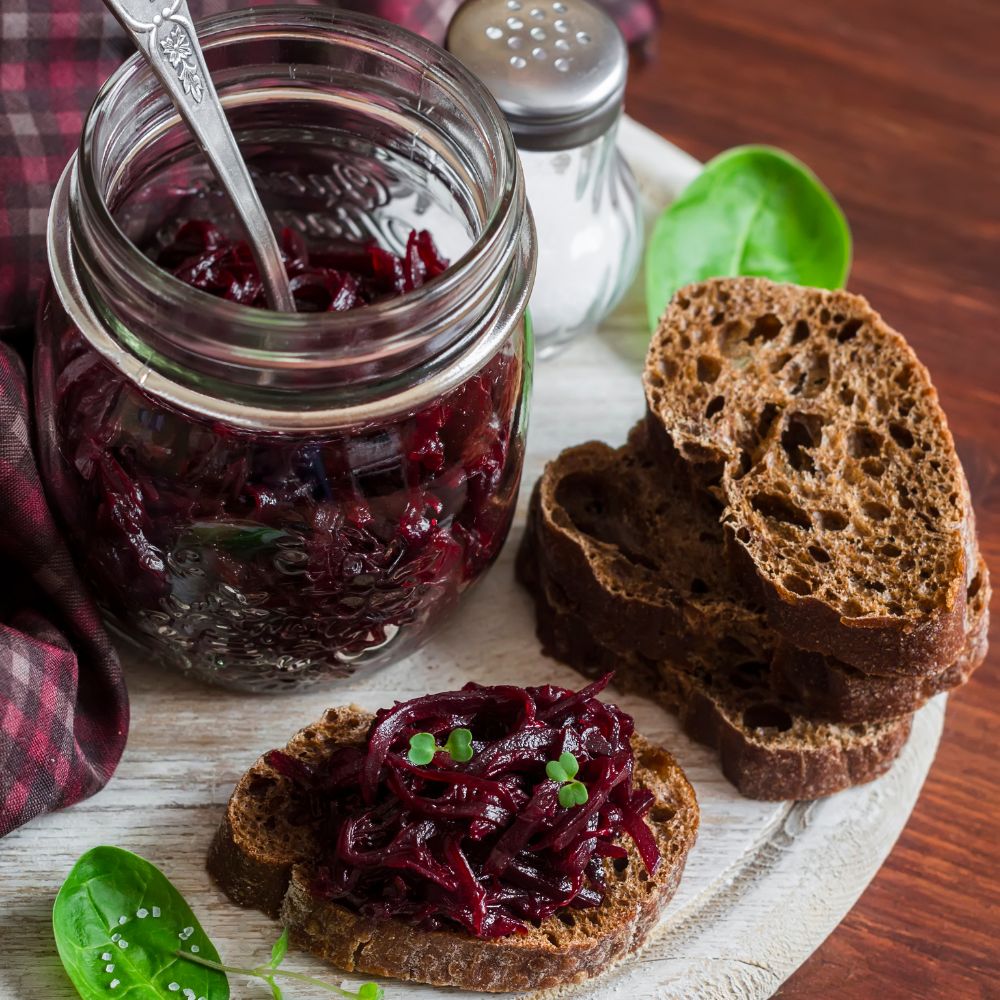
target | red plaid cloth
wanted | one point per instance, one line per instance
(63, 705)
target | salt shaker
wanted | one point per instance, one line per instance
(557, 69)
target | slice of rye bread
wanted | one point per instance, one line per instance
(767, 749)
(626, 538)
(819, 431)
(630, 546)
(264, 852)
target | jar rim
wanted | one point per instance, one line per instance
(69, 290)
(292, 337)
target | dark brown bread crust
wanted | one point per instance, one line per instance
(262, 852)
(266, 829)
(821, 434)
(624, 538)
(847, 695)
(765, 749)
(875, 645)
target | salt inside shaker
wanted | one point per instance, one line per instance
(557, 69)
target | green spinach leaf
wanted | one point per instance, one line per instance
(753, 210)
(118, 922)
(122, 929)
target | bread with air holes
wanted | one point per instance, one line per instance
(643, 558)
(818, 431)
(767, 748)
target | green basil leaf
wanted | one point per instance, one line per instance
(753, 210)
(117, 922)
(280, 949)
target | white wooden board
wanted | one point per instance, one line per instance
(764, 884)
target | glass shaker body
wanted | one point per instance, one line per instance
(558, 73)
(589, 225)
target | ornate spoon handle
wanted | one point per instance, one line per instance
(164, 32)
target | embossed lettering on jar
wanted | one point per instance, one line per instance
(268, 500)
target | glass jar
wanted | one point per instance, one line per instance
(266, 500)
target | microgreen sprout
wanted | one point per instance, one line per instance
(269, 970)
(564, 770)
(423, 747)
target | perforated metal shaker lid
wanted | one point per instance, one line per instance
(557, 68)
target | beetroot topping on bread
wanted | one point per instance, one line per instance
(490, 843)
(391, 867)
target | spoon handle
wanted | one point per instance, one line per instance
(164, 32)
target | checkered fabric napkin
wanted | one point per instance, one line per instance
(63, 704)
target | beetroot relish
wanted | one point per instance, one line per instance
(484, 845)
(332, 278)
(253, 557)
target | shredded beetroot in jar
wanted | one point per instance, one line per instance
(484, 845)
(331, 278)
(257, 558)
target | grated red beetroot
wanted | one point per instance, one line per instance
(485, 845)
(332, 278)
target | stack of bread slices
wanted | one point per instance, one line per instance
(784, 552)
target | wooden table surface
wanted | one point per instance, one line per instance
(896, 105)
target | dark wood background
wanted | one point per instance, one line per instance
(896, 105)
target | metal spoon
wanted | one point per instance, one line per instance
(167, 39)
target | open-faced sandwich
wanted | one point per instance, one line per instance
(492, 838)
